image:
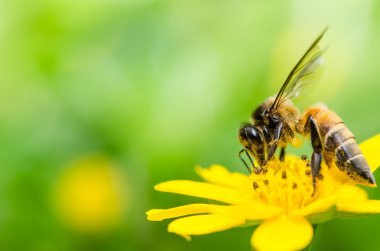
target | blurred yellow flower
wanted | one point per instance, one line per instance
(90, 195)
(279, 200)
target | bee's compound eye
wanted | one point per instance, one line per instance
(252, 135)
(251, 132)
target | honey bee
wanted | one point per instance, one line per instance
(277, 121)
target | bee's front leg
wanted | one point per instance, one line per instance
(274, 143)
(249, 157)
(316, 143)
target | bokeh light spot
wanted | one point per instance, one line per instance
(90, 195)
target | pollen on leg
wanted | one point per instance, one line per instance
(287, 184)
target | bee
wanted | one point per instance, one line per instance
(277, 122)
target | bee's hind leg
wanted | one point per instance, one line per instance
(316, 143)
(282, 154)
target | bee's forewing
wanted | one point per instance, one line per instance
(305, 77)
(303, 74)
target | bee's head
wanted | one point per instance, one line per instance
(252, 139)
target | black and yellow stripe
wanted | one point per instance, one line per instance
(340, 143)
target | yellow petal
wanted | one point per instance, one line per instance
(161, 214)
(371, 151)
(220, 175)
(282, 234)
(203, 224)
(362, 207)
(318, 206)
(338, 178)
(351, 193)
(252, 211)
(256, 211)
(203, 190)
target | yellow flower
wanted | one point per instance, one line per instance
(280, 201)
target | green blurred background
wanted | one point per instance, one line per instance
(100, 100)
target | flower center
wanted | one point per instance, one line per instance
(287, 184)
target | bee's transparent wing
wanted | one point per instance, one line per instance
(305, 78)
(306, 72)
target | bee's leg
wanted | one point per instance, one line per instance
(282, 154)
(250, 159)
(256, 169)
(273, 144)
(245, 163)
(316, 158)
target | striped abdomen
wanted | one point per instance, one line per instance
(340, 146)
